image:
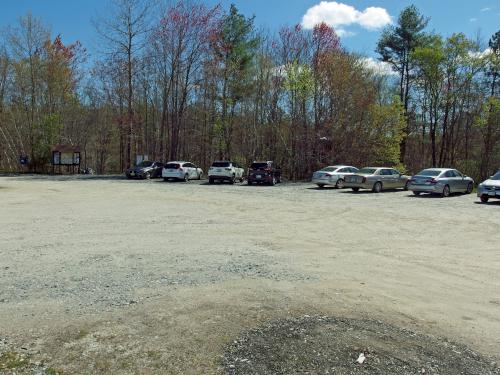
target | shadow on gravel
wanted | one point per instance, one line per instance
(77, 177)
(434, 196)
(328, 345)
(361, 192)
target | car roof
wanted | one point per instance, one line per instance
(438, 169)
(176, 161)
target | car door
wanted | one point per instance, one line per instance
(386, 178)
(398, 181)
(460, 181)
(342, 172)
(193, 171)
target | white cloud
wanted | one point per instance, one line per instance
(486, 52)
(473, 20)
(378, 67)
(339, 15)
(485, 9)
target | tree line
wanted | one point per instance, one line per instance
(185, 81)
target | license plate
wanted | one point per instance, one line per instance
(259, 176)
(219, 170)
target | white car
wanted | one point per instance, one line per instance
(225, 171)
(333, 175)
(489, 188)
(181, 170)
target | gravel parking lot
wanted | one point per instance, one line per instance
(105, 275)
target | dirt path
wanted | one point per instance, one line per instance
(116, 276)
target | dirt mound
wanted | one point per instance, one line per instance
(326, 345)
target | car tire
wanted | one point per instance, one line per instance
(273, 181)
(232, 180)
(470, 187)
(147, 176)
(186, 178)
(165, 179)
(321, 186)
(200, 175)
(446, 192)
(211, 180)
(249, 182)
(355, 189)
(417, 193)
(340, 183)
(377, 187)
(484, 198)
(406, 185)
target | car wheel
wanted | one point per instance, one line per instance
(416, 193)
(165, 179)
(273, 181)
(200, 175)
(484, 198)
(470, 187)
(210, 180)
(249, 182)
(147, 176)
(355, 189)
(377, 187)
(446, 192)
(232, 180)
(321, 186)
(340, 183)
(186, 177)
(406, 185)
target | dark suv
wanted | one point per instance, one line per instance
(264, 172)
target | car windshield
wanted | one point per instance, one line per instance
(329, 169)
(259, 165)
(220, 164)
(496, 176)
(367, 171)
(429, 173)
(145, 163)
(171, 166)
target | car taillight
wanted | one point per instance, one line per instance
(363, 180)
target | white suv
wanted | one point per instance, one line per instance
(225, 171)
(181, 170)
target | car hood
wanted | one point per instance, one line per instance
(492, 183)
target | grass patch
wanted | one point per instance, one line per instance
(53, 371)
(12, 360)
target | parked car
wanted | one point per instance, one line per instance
(377, 179)
(146, 169)
(489, 188)
(181, 170)
(443, 181)
(264, 172)
(333, 175)
(225, 171)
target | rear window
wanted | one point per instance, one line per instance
(429, 173)
(329, 169)
(367, 171)
(172, 166)
(496, 176)
(221, 164)
(259, 165)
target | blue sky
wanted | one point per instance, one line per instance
(72, 19)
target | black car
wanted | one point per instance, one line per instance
(146, 169)
(264, 172)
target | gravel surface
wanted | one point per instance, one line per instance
(326, 345)
(101, 275)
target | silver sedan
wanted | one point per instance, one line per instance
(442, 181)
(333, 175)
(489, 188)
(377, 179)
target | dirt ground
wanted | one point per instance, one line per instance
(104, 275)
